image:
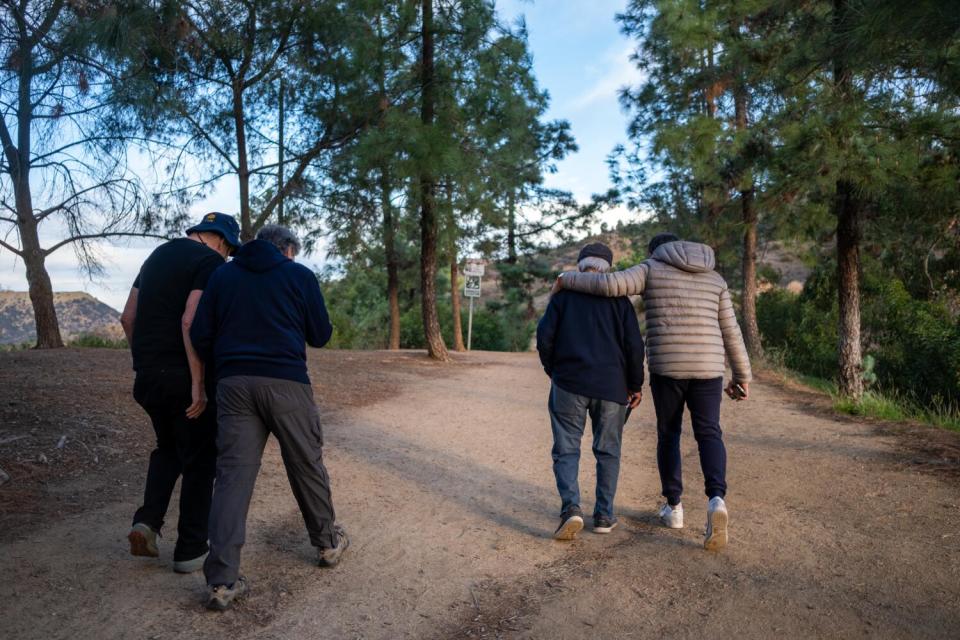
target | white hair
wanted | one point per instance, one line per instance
(593, 263)
(280, 237)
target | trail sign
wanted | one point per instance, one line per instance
(471, 288)
(473, 271)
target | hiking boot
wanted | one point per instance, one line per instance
(143, 541)
(221, 596)
(330, 556)
(604, 524)
(672, 517)
(189, 566)
(571, 522)
(717, 517)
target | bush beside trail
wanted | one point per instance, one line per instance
(912, 343)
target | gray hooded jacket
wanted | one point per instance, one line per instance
(690, 320)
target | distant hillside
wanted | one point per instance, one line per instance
(78, 312)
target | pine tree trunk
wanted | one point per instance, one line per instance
(751, 331)
(280, 131)
(389, 247)
(455, 302)
(511, 230)
(38, 280)
(428, 211)
(243, 169)
(848, 272)
(41, 290)
(386, 204)
(847, 209)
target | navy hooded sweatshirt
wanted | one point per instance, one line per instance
(257, 314)
(591, 346)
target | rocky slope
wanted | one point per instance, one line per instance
(79, 314)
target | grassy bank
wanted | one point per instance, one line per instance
(877, 404)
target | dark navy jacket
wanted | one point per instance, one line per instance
(591, 346)
(257, 314)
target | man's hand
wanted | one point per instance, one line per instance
(199, 400)
(734, 393)
(634, 398)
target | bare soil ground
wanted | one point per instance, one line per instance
(441, 473)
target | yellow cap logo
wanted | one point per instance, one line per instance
(211, 217)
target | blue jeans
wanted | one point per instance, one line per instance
(702, 398)
(568, 416)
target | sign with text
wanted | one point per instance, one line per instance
(473, 268)
(471, 288)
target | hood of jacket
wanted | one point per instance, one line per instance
(259, 256)
(692, 257)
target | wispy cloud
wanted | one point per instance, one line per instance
(615, 71)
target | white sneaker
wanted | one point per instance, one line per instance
(717, 518)
(672, 517)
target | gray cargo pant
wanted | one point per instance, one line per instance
(249, 408)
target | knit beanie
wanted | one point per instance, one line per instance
(596, 250)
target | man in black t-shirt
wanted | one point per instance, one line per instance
(171, 386)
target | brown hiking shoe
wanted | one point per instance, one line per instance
(143, 541)
(221, 596)
(330, 556)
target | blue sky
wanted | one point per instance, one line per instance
(580, 57)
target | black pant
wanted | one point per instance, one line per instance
(703, 398)
(184, 447)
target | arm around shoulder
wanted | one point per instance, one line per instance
(630, 282)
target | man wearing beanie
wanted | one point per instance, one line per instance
(592, 350)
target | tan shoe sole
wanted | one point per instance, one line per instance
(139, 545)
(569, 529)
(718, 532)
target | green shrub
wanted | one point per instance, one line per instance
(801, 334)
(916, 344)
(94, 341)
(911, 346)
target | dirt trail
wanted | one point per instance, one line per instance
(447, 492)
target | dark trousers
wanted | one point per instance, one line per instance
(185, 448)
(702, 398)
(568, 416)
(250, 409)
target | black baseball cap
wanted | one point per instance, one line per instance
(596, 250)
(222, 223)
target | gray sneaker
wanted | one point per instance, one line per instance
(143, 541)
(330, 556)
(221, 596)
(189, 566)
(604, 524)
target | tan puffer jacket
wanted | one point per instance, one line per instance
(690, 320)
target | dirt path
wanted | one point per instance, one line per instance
(446, 489)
